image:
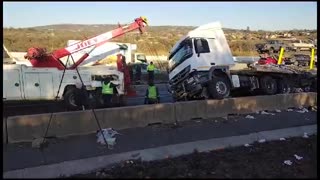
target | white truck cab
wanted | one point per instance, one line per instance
(206, 52)
(200, 62)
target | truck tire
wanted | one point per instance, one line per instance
(69, 99)
(268, 85)
(219, 88)
(284, 86)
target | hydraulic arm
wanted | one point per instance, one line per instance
(39, 58)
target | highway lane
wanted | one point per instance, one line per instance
(22, 155)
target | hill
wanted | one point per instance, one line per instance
(157, 40)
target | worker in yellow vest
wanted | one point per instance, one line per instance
(107, 92)
(152, 94)
(150, 69)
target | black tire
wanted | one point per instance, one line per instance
(69, 99)
(306, 89)
(219, 88)
(268, 85)
(284, 86)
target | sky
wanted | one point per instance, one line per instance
(238, 15)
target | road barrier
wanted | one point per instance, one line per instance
(28, 128)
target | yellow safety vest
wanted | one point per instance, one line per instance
(150, 67)
(152, 92)
(106, 89)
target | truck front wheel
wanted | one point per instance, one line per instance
(219, 88)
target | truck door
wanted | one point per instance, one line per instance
(32, 86)
(202, 51)
(46, 86)
(12, 85)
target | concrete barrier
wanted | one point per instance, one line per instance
(190, 110)
(4, 132)
(72, 123)
(243, 105)
(28, 128)
(136, 116)
(164, 113)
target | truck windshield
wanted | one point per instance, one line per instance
(183, 52)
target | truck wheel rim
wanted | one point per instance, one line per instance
(221, 87)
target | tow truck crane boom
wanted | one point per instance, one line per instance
(39, 58)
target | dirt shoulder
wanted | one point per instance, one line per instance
(260, 160)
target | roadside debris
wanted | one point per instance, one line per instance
(282, 139)
(247, 145)
(298, 157)
(109, 134)
(257, 112)
(277, 110)
(266, 113)
(289, 110)
(262, 141)
(305, 135)
(304, 110)
(287, 162)
(250, 117)
(38, 143)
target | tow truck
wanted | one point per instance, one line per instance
(199, 68)
(42, 80)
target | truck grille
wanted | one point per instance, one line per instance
(180, 76)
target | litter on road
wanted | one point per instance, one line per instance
(287, 162)
(247, 145)
(278, 111)
(304, 110)
(305, 135)
(108, 134)
(262, 141)
(266, 113)
(289, 110)
(249, 117)
(282, 139)
(298, 157)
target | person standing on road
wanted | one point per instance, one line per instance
(107, 91)
(150, 70)
(81, 98)
(152, 94)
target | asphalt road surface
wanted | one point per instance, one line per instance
(22, 155)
